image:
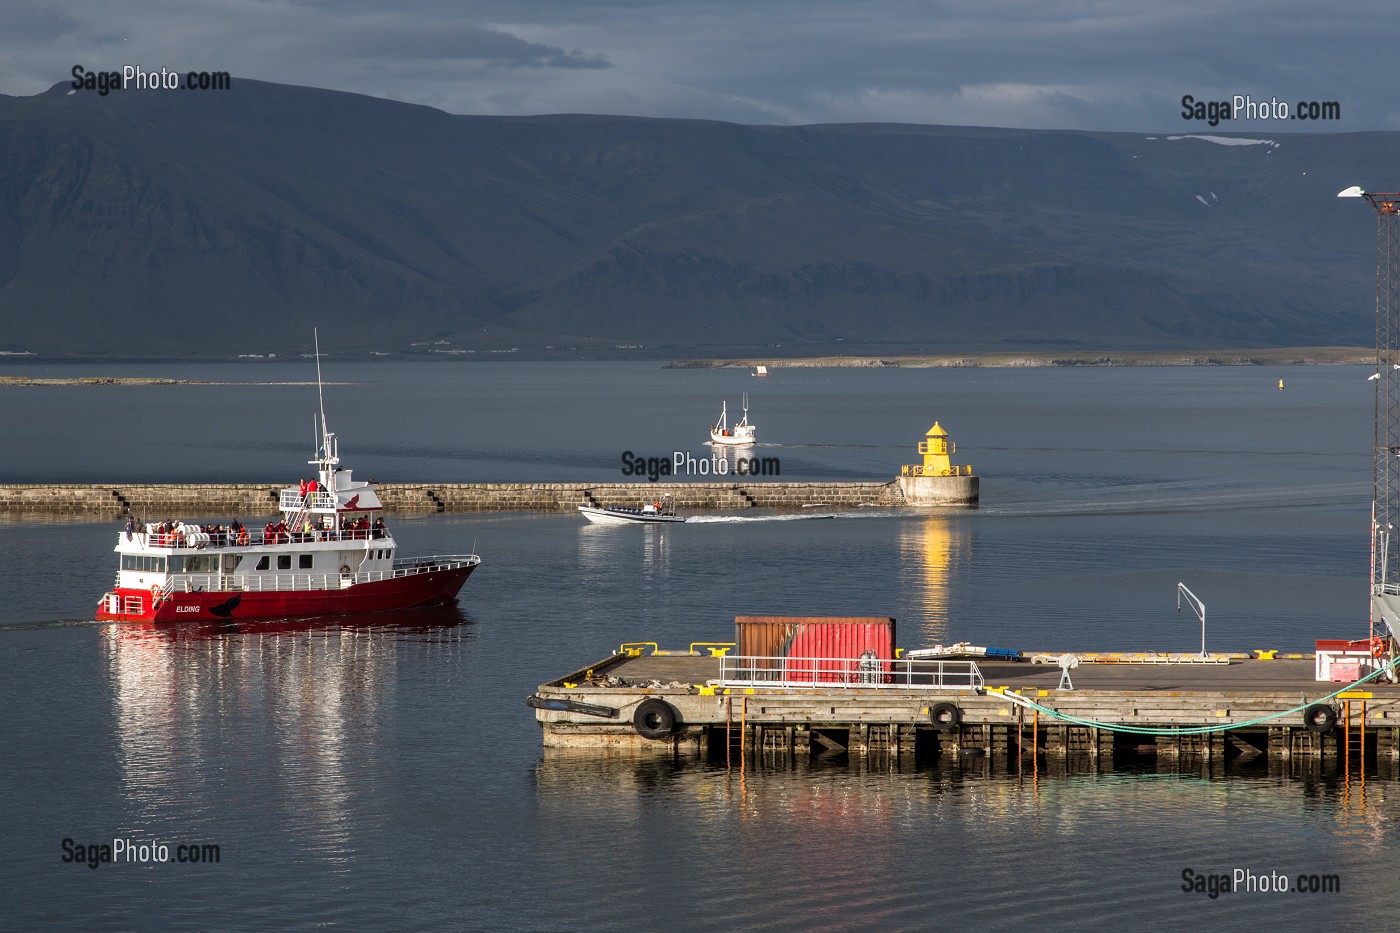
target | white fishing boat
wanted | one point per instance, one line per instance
(761, 370)
(652, 513)
(739, 434)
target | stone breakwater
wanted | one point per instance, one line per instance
(154, 502)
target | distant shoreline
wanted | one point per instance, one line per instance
(1284, 356)
(24, 381)
(1278, 356)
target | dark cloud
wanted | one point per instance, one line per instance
(1089, 64)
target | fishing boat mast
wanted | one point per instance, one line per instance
(328, 457)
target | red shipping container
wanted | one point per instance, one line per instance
(841, 639)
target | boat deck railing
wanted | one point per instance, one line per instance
(841, 673)
(250, 538)
(290, 500)
(269, 582)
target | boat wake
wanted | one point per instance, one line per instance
(787, 517)
(735, 519)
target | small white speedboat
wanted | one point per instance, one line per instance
(651, 513)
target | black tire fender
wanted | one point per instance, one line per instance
(945, 716)
(654, 719)
(1319, 718)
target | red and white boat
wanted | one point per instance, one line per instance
(329, 554)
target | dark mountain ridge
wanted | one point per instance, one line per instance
(182, 223)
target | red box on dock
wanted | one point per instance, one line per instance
(831, 638)
(1341, 662)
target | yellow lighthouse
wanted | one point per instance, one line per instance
(936, 449)
(938, 481)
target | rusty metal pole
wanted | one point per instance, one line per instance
(1020, 736)
(1035, 743)
(1346, 744)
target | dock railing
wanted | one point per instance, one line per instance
(843, 673)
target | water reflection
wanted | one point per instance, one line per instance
(302, 700)
(813, 840)
(931, 549)
(606, 550)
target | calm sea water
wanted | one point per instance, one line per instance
(385, 773)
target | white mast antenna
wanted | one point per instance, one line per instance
(320, 394)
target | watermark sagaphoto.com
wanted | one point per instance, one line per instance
(122, 851)
(1245, 107)
(681, 463)
(134, 77)
(1248, 881)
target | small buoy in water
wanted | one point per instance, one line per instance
(1280, 385)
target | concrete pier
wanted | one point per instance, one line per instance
(153, 501)
(596, 707)
(940, 490)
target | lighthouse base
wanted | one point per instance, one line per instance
(940, 490)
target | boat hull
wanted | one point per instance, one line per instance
(615, 517)
(729, 440)
(432, 588)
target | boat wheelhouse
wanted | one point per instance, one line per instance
(329, 553)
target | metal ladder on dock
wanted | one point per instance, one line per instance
(1354, 737)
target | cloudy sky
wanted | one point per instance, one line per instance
(1075, 64)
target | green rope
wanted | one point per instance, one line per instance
(1195, 730)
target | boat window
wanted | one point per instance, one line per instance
(303, 561)
(284, 562)
(263, 562)
(177, 563)
(202, 563)
(143, 562)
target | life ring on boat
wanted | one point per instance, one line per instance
(945, 717)
(1319, 718)
(1378, 647)
(155, 596)
(654, 719)
(344, 568)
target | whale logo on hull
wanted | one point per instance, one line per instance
(352, 503)
(225, 609)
